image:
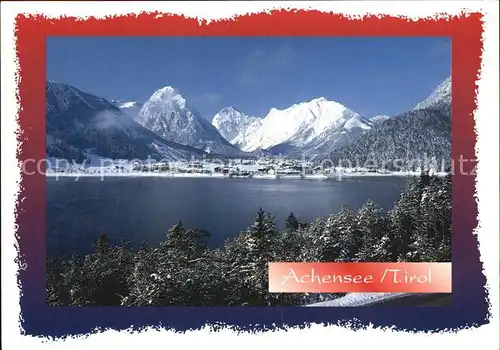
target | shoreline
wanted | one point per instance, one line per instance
(220, 176)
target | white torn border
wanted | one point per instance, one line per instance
(487, 182)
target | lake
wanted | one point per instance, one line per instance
(142, 209)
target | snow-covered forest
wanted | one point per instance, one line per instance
(182, 271)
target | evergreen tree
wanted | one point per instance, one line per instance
(349, 234)
(374, 230)
(255, 249)
(404, 218)
(314, 235)
(290, 244)
(76, 282)
(56, 293)
(292, 223)
(181, 270)
(101, 246)
(434, 220)
(141, 281)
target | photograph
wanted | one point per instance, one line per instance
(179, 167)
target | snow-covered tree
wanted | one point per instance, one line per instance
(374, 228)
(181, 270)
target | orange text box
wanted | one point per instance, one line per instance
(359, 277)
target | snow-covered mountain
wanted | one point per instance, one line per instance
(439, 99)
(306, 127)
(167, 114)
(130, 108)
(312, 128)
(230, 123)
(80, 125)
(403, 141)
(422, 134)
(335, 137)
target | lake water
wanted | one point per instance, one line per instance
(142, 209)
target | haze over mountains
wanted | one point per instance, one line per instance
(80, 124)
(130, 108)
(165, 126)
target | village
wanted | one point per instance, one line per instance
(267, 168)
(258, 168)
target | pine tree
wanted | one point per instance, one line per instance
(183, 271)
(142, 281)
(373, 228)
(123, 265)
(292, 223)
(314, 235)
(256, 252)
(404, 219)
(349, 234)
(176, 238)
(264, 226)
(101, 246)
(77, 283)
(290, 244)
(433, 230)
(56, 292)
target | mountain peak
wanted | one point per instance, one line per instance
(77, 122)
(228, 110)
(321, 102)
(319, 99)
(170, 94)
(295, 126)
(167, 114)
(439, 98)
(167, 89)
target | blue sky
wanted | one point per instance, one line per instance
(370, 75)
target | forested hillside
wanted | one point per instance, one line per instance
(419, 138)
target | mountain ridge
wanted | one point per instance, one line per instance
(167, 114)
(420, 135)
(80, 124)
(302, 126)
(440, 98)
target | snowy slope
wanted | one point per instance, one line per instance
(439, 99)
(387, 300)
(81, 124)
(410, 137)
(167, 114)
(305, 127)
(357, 122)
(335, 137)
(360, 299)
(230, 122)
(379, 119)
